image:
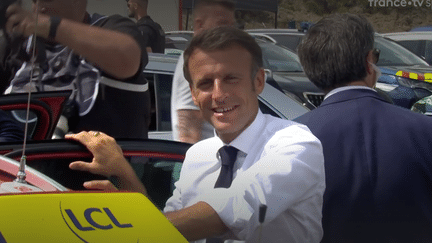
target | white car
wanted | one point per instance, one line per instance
(419, 42)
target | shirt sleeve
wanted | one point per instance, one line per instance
(174, 203)
(127, 26)
(289, 171)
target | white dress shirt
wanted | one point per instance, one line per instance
(280, 164)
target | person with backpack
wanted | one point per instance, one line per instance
(153, 34)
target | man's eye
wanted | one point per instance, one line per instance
(205, 84)
(231, 79)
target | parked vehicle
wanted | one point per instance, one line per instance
(289, 38)
(405, 76)
(52, 207)
(422, 28)
(423, 106)
(282, 65)
(419, 42)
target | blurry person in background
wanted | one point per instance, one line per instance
(188, 124)
(153, 34)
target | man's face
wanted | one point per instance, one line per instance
(60, 8)
(223, 89)
(214, 16)
(131, 8)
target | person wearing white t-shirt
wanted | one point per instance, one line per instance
(188, 125)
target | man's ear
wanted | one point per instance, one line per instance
(259, 81)
(198, 23)
(369, 60)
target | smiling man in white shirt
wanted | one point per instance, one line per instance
(279, 164)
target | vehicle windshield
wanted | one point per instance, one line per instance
(279, 59)
(393, 54)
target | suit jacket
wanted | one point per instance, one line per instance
(378, 165)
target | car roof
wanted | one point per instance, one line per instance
(273, 31)
(418, 35)
(161, 63)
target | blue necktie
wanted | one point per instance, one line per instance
(228, 156)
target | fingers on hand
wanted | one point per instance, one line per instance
(87, 136)
(80, 165)
(105, 185)
(93, 167)
(93, 140)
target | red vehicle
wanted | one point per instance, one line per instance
(51, 205)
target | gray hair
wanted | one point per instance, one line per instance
(334, 51)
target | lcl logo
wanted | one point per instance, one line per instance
(88, 217)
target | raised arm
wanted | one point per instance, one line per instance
(118, 54)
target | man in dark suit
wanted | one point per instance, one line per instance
(378, 157)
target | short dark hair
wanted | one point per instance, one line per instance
(141, 1)
(221, 38)
(333, 52)
(227, 4)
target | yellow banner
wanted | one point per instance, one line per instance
(83, 217)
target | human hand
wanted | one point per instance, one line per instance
(108, 157)
(24, 22)
(105, 185)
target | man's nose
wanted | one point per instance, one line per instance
(219, 90)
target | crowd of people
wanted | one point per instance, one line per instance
(355, 169)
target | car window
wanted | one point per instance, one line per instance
(158, 176)
(393, 54)
(289, 41)
(163, 86)
(160, 95)
(279, 59)
(416, 46)
(428, 52)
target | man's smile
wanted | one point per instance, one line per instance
(222, 110)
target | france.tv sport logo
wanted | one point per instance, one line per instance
(400, 3)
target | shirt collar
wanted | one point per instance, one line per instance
(245, 140)
(340, 89)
